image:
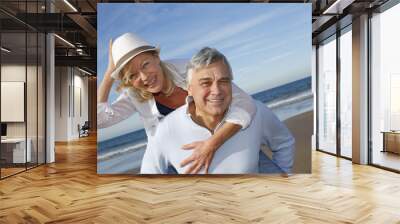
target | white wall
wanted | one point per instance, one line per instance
(33, 126)
(61, 103)
(70, 83)
(82, 83)
(16, 73)
(13, 73)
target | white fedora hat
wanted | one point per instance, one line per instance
(126, 47)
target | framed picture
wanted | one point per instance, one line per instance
(268, 49)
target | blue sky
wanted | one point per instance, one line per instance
(267, 44)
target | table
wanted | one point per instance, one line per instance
(16, 147)
(391, 141)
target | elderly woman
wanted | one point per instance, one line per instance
(154, 88)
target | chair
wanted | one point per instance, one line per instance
(84, 130)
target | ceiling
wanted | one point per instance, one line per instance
(76, 22)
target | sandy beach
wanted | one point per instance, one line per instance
(301, 127)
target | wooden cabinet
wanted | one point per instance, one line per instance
(391, 142)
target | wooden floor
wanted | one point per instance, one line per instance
(10, 171)
(70, 191)
(387, 159)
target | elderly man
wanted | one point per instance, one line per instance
(210, 95)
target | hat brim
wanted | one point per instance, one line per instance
(115, 73)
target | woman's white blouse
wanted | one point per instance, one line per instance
(241, 111)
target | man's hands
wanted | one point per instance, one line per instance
(203, 153)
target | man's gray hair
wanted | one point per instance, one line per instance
(204, 58)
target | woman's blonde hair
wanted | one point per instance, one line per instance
(140, 94)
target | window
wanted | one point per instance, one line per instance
(346, 92)
(22, 67)
(327, 95)
(385, 89)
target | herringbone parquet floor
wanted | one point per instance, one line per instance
(70, 191)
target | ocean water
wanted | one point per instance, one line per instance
(123, 154)
(284, 91)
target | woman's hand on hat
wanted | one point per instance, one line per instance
(111, 65)
(203, 153)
